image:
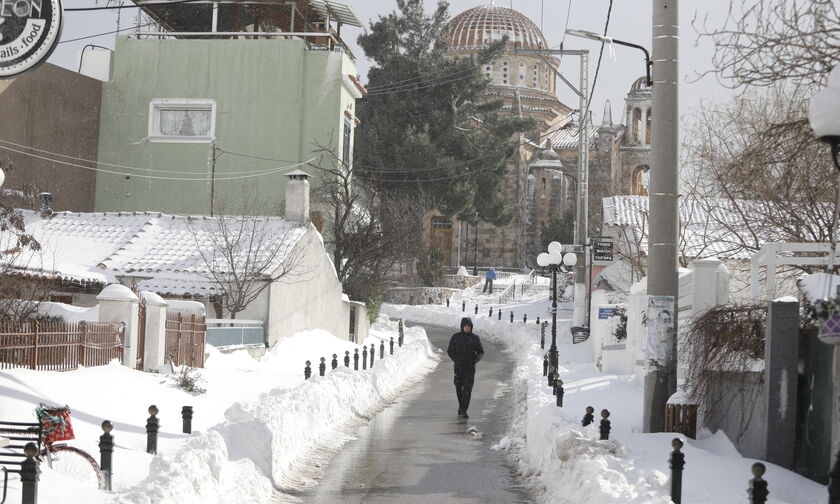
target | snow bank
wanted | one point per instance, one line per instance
(69, 313)
(562, 462)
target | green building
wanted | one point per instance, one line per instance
(220, 116)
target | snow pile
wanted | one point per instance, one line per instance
(253, 430)
(563, 462)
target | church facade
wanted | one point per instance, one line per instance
(541, 175)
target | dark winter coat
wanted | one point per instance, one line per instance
(465, 349)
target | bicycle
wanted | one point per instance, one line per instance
(55, 426)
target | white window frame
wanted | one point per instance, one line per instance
(158, 104)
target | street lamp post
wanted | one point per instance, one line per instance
(824, 116)
(609, 40)
(555, 260)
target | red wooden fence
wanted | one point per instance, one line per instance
(59, 346)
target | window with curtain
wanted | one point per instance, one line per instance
(182, 120)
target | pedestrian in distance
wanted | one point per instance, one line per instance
(488, 280)
(465, 350)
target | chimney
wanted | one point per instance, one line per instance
(46, 204)
(297, 197)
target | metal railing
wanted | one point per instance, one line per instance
(230, 332)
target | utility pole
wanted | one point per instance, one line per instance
(661, 375)
(582, 182)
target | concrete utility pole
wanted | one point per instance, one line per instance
(582, 182)
(661, 376)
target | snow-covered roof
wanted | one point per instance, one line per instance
(163, 250)
(713, 229)
(567, 136)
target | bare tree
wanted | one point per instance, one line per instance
(244, 255)
(763, 42)
(368, 231)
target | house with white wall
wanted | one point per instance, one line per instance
(172, 256)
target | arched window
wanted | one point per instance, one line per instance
(636, 125)
(640, 181)
(647, 128)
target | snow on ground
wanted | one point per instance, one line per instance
(253, 430)
(563, 462)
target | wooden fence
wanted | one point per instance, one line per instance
(59, 346)
(185, 339)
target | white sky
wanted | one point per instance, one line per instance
(631, 21)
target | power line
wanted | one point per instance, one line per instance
(585, 114)
(105, 33)
(133, 6)
(412, 80)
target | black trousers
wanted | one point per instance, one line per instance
(487, 283)
(464, 378)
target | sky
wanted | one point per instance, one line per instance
(630, 21)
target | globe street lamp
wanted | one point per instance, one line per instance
(824, 116)
(555, 260)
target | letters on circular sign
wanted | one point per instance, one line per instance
(29, 31)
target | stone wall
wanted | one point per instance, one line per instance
(418, 295)
(460, 281)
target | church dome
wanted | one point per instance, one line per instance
(481, 25)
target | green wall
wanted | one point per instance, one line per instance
(274, 99)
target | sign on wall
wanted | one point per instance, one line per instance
(29, 31)
(602, 251)
(605, 313)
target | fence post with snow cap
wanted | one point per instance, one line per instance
(322, 367)
(545, 365)
(307, 370)
(106, 452)
(605, 426)
(758, 487)
(356, 360)
(382, 349)
(347, 358)
(30, 474)
(677, 463)
(152, 427)
(186, 419)
(334, 363)
(372, 354)
(391, 345)
(589, 417)
(558, 390)
(364, 357)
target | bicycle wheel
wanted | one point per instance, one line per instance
(76, 463)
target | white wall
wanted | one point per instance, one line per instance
(311, 298)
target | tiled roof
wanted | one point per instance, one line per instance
(567, 136)
(712, 229)
(97, 247)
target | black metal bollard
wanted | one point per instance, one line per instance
(511, 316)
(382, 349)
(588, 418)
(152, 426)
(322, 367)
(307, 370)
(364, 357)
(347, 358)
(538, 321)
(551, 376)
(106, 452)
(30, 474)
(334, 363)
(500, 314)
(605, 424)
(490, 313)
(391, 345)
(447, 302)
(677, 462)
(542, 336)
(402, 333)
(186, 419)
(356, 360)
(524, 318)
(372, 354)
(476, 309)
(559, 391)
(545, 365)
(464, 305)
(758, 487)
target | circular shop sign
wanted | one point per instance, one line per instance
(29, 31)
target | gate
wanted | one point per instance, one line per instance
(141, 335)
(185, 339)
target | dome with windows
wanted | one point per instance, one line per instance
(481, 25)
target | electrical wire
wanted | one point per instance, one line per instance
(202, 178)
(585, 114)
(407, 83)
(133, 6)
(105, 33)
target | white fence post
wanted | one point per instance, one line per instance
(155, 346)
(118, 304)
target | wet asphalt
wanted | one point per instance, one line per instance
(418, 451)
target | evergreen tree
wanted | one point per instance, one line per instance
(427, 124)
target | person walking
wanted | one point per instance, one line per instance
(465, 350)
(488, 280)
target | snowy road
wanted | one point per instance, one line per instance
(418, 451)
